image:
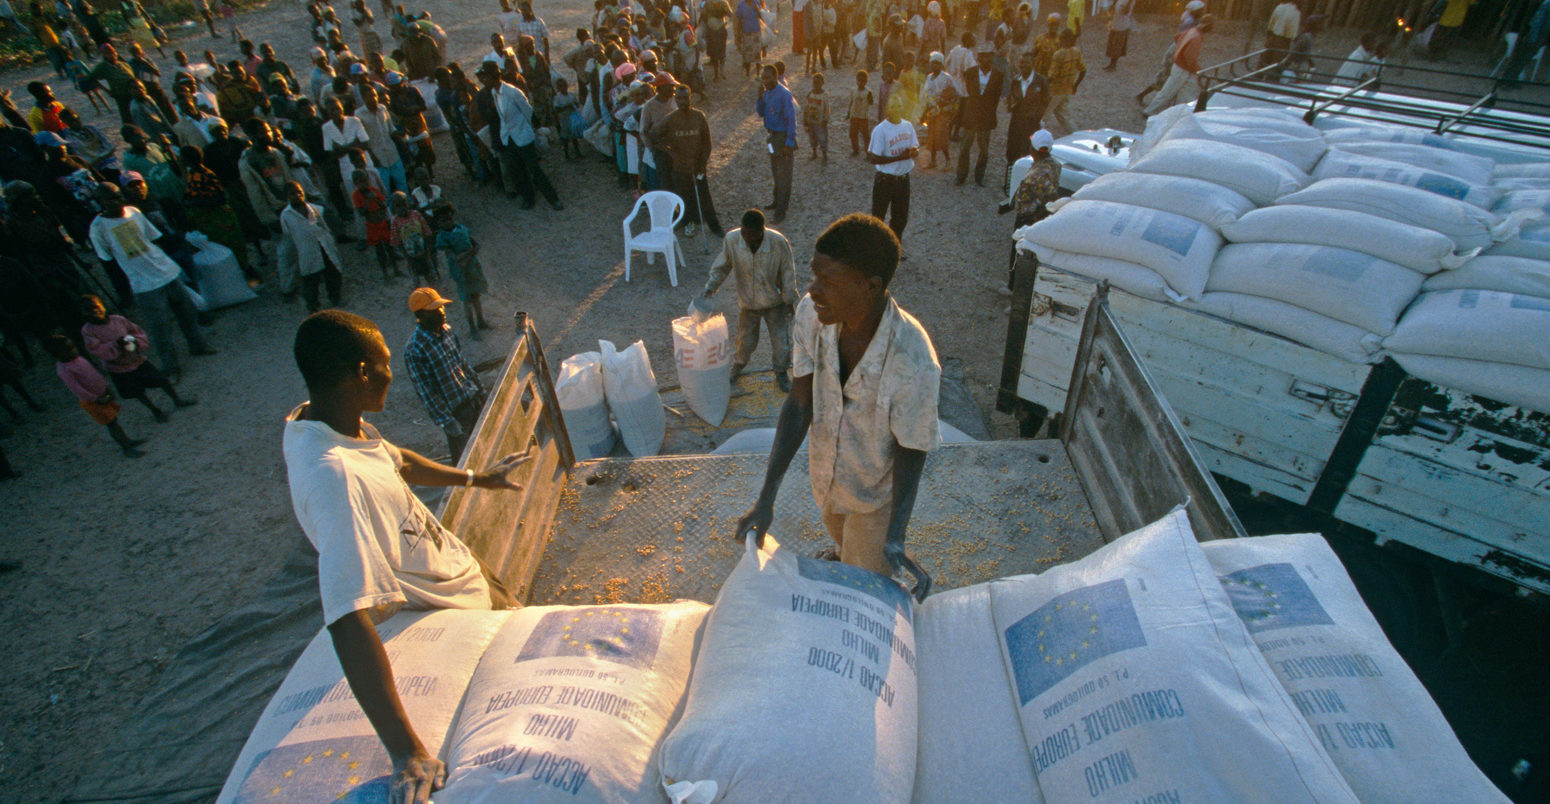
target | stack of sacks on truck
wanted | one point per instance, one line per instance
(1152, 229)
(1525, 190)
(1333, 280)
(1489, 342)
(540, 704)
(1158, 669)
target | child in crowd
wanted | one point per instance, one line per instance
(91, 389)
(463, 263)
(412, 239)
(121, 346)
(815, 116)
(859, 111)
(567, 113)
(371, 205)
(424, 194)
(418, 151)
(80, 75)
(885, 91)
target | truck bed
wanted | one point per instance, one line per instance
(657, 529)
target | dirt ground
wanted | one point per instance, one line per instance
(124, 561)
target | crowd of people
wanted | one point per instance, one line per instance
(281, 166)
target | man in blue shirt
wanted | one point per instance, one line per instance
(779, 110)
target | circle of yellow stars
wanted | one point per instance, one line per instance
(1092, 631)
(1269, 605)
(344, 756)
(590, 646)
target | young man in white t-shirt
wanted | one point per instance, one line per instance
(124, 238)
(893, 149)
(864, 392)
(379, 548)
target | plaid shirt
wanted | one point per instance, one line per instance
(536, 29)
(441, 376)
(1064, 67)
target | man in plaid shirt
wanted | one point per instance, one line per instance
(447, 385)
(528, 23)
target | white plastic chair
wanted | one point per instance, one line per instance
(666, 210)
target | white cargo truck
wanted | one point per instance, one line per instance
(1454, 473)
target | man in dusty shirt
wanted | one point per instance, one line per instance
(864, 392)
(379, 548)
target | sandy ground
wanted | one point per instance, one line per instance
(124, 561)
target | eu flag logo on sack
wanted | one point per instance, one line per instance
(1070, 632)
(355, 770)
(869, 583)
(618, 635)
(1273, 596)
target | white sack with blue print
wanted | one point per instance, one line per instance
(313, 742)
(1369, 711)
(1135, 681)
(1179, 249)
(803, 688)
(571, 703)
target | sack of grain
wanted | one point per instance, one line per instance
(1522, 170)
(1259, 176)
(1371, 713)
(1343, 164)
(1347, 342)
(1514, 200)
(1505, 274)
(803, 688)
(1533, 242)
(570, 704)
(971, 743)
(579, 386)
(1516, 385)
(703, 355)
(313, 742)
(1410, 136)
(1126, 276)
(1467, 225)
(1133, 675)
(1292, 140)
(1508, 185)
(1470, 168)
(1476, 325)
(1418, 249)
(1359, 289)
(1208, 203)
(631, 390)
(1180, 249)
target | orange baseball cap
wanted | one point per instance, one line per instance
(426, 299)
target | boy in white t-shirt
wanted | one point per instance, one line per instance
(893, 149)
(379, 548)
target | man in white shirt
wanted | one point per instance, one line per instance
(342, 134)
(374, 119)
(123, 237)
(760, 261)
(515, 141)
(892, 149)
(864, 392)
(379, 548)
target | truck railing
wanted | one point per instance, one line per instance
(1438, 101)
(523, 414)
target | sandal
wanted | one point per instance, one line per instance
(828, 554)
